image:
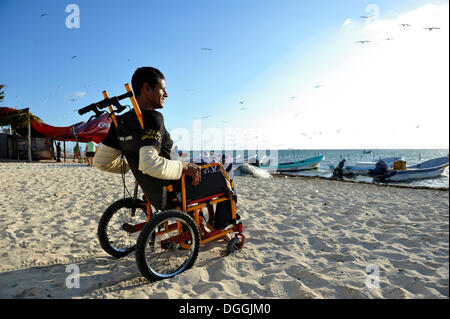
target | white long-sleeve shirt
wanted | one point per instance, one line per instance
(108, 160)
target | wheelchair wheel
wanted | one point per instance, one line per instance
(167, 245)
(114, 227)
(233, 245)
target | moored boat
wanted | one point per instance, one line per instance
(363, 168)
(428, 169)
(306, 164)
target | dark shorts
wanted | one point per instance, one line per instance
(90, 154)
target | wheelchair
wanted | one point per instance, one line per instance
(166, 242)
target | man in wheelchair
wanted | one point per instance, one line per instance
(148, 151)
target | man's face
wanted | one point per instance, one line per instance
(158, 95)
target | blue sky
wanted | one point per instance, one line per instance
(269, 55)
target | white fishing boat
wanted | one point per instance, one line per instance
(363, 168)
(428, 169)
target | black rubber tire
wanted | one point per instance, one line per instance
(233, 245)
(146, 237)
(114, 208)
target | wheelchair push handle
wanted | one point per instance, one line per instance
(109, 102)
(97, 106)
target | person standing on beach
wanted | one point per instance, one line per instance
(76, 152)
(91, 148)
(147, 151)
(58, 152)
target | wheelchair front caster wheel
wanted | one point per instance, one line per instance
(233, 245)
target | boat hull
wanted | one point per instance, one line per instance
(307, 164)
(410, 174)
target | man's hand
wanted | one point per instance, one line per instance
(194, 171)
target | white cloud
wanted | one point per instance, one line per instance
(348, 21)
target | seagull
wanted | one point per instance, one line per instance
(75, 56)
(363, 41)
(405, 24)
(317, 86)
(206, 49)
(366, 17)
(431, 28)
(43, 14)
(241, 102)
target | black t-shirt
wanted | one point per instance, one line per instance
(129, 137)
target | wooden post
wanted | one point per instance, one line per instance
(29, 136)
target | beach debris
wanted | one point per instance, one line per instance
(60, 194)
(248, 169)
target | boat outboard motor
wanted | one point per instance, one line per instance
(338, 170)
(380, 170)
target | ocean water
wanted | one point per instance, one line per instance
(333, 157)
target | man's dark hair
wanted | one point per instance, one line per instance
(145, 74)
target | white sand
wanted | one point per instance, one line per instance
(305, 238)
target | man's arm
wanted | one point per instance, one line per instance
(154, 165)
(107, 159)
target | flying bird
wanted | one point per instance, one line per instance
(389, 39)
(43, 14)
(206, 49)
(366, 17)
(405, 24)
(317, 86)
(241, 102)
(75, 56)
(363, 41)
(431, 28)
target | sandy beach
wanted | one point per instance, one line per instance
(305, 238)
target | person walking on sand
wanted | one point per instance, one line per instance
(91, 148)
(76, 152)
